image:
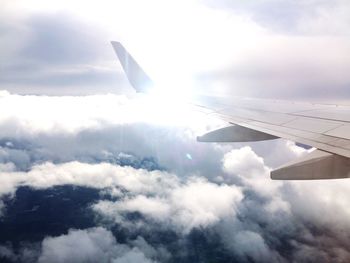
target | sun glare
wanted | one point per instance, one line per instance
(162, 108)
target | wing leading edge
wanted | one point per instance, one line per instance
(325, 127)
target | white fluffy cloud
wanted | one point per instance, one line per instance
(99, 176)
(312, 201)
(243, 161)
(165, 200)
(155, 194)
(200, 186)
(103, 128)
(52, 115)
(247, 165)
(196, 203)
(95, 244)
(90, 245)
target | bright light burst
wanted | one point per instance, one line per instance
(163, 108)
(167, 42)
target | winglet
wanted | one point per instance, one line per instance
(140, 81)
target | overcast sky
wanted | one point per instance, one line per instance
(253, 48)
(146, 161)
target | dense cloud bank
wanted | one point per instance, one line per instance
(90, 245)
(158, 196)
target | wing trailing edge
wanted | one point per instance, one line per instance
(315, 165)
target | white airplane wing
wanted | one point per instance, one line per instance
(325, 127)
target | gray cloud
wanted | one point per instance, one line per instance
(57, 54)
(306, 17)
(283, 49)
(90, 245)
(61, 39)
(27, 253)
(302, 68)
(7, 252)
(303, 54)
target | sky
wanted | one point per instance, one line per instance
(68, 117)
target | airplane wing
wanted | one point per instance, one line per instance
(323, 126)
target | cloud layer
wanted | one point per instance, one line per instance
(221, 193)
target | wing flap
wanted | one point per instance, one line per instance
(235, 133)
(315, 165)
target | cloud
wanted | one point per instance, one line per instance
(55, 54)
(60, 39)
(250, 245)
(252, 170)
(301, 52)
(90, 245)
(158, 195)
(283, 209)
(98, 176)
(322, 198)
(243, 160)
(2, 208)
(252, 220)
(103, 128)
(223, 193)
(307, 17)
(6, 252)
(197, 203)
(27, 253)
(299, 68)
(95, 244)
(70, 114)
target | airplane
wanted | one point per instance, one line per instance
(325, 127)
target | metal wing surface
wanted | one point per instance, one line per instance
(323, 126)
(326, 127)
